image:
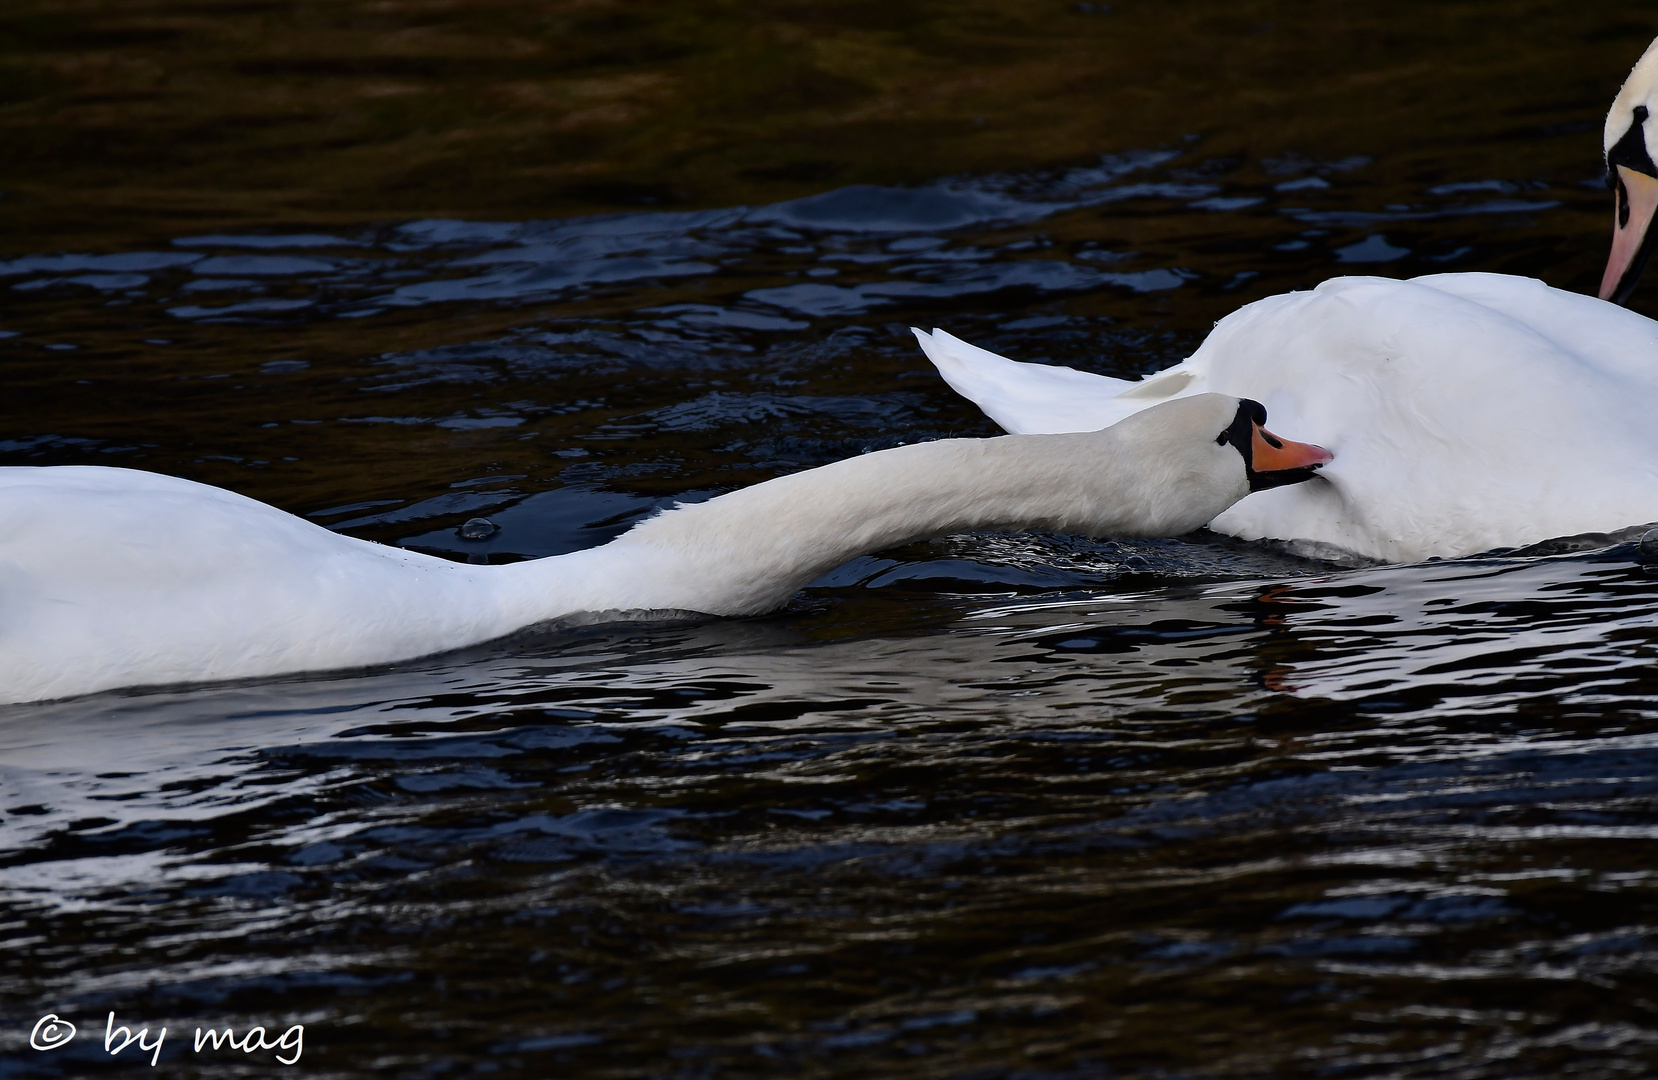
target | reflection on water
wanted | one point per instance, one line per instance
(984, 806)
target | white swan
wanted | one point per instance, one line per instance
(1466, 411)
(112, 577)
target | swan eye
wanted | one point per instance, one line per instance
(1220, 440)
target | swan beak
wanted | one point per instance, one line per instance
(1276, 462)
(1637, 199)
(1272, 454)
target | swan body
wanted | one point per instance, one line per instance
(1466, 411)
(113, 577)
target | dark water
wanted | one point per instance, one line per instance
(990, 806)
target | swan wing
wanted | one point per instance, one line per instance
(1028, 399)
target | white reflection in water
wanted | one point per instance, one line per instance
(1505, 627)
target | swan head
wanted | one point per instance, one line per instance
(1269, 461)
(1630, 145)
(1201, 453)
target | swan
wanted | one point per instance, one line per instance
(115, 577)
(1466, 411)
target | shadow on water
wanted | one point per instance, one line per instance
(988, 805)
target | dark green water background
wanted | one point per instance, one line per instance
(987, 806)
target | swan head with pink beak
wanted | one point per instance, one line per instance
(1631, 147)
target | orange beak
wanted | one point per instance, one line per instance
(1269, 453)
(1637, 199)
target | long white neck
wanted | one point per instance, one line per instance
(749, 551)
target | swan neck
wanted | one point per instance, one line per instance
(749, 551)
